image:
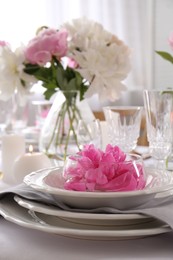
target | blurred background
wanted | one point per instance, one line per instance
(143, 25)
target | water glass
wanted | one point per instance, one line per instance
(159, 118)
(123, 125)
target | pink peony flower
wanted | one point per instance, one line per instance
(170, 40)
(95, 170)
(72, 63)
(46, 44)
(3, 43)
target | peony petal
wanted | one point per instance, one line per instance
(125, 182)
(75, 185)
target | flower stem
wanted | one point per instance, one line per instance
(64, 128)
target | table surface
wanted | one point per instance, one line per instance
(19, 242)
(22, 243)
(33, 244)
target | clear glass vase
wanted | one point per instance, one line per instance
(58, 137)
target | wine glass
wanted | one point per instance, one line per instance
(89, 133)
(123, 125)
(159, 119)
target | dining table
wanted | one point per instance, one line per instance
(27, 242)
(18, 242)
(23, 242)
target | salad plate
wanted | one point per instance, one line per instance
(105, 219)
(50, 181)
(21, 216)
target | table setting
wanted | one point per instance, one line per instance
(85, 181)
(42, 200)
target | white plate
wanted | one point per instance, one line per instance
(50, 181)
(84, 218)
(11, 211)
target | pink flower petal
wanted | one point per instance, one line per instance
(72, 185)
(104, 171)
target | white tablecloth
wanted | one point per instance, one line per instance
(21, 243)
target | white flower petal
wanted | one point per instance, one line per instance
(11, 66)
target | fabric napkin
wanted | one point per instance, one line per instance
(160, 208)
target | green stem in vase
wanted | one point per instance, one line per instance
(57, 124)
(53, 134)
(85, 125)
(74, 109)
(71, 128)
(61, 126)
(64, 128)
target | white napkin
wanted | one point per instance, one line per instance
(161, 208)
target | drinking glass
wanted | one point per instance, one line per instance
(89, 133)
(123, 125)
(42, 108)
(159, 120)
(5, 115)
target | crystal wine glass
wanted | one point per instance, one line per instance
(123, 125)
(89, 133)
(159, 116)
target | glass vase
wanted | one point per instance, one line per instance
(58, 137)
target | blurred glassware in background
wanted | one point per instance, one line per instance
(13, 116)
(89, 133)
(20, 114)
(6, 109)
(159, 118)
(123, 125)
(42, 108)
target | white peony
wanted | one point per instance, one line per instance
(84, 33)
(103, 59)
(104, 67)
(12, 77)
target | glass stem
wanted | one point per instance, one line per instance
(161, 164)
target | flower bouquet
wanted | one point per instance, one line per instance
(81, 57)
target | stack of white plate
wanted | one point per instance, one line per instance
(88, 215)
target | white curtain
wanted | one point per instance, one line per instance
(163, 21)
(128, 19)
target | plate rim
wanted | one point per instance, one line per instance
(73, 232)
(80, 215)
(42, 173)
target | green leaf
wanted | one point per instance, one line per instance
(56, 77)
(83, 90)
(60, 77)
(165, 55)
(72, 84)
(31, 69)
(167, 92)
(50, 85)
(48, 93)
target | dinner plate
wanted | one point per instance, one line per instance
(50, 180)
(84, 218)
(13, 212)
